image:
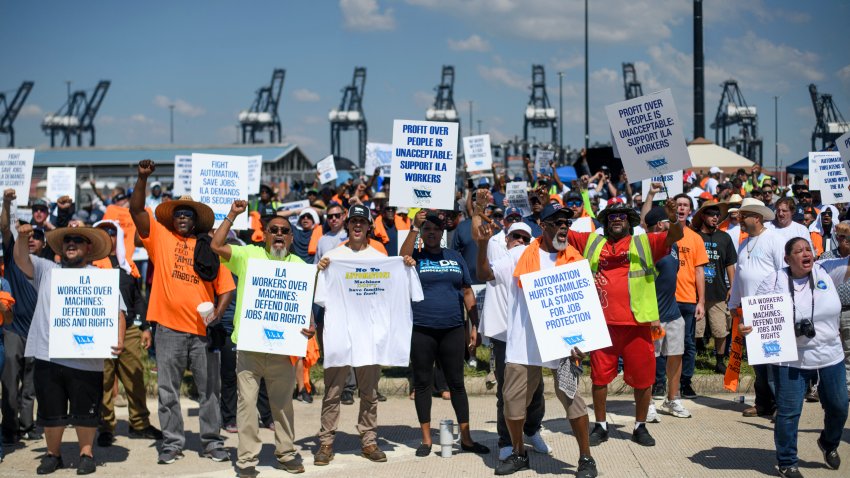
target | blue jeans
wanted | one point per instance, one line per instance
(790, 388)
(2, 363)
(689, 358)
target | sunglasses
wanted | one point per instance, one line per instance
(534, 200)
(618, 216)
(513, 218)
(75, 240)
(279, 230)
(520, 237)
(393, 209)
(712, 213)
(573, 203)
(559, 223)
(336, 215)
(498, 217)
(184, 213)
(39, 209)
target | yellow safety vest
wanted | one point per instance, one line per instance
(642, 274)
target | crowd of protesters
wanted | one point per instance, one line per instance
(670, 276)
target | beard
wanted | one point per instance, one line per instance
(73, 263)
(279, 253)
(558, 245)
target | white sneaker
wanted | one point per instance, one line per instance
(538, 444)
(505, 452)
(675, 408)
(652, 414)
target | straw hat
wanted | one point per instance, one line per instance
(101, 244)
(757, 207)
(204, 216)
(633, 216)
(697, 221)
(734, 202)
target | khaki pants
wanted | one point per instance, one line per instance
(128, 367)
(520, 383)
(279, 374)
(367, 419)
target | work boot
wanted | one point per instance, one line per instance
(324, 456)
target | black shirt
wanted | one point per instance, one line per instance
(721, 253)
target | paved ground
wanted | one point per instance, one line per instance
(717, 441)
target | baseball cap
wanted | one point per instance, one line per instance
(156, 184)
(513, 211)
(520, 226)
(573, 196)
(359, 210)
(655, 215)
(552, 210)
(40, 203)
(715, 170)
(706, 195)
(38, 233)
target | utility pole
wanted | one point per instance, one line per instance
(479, 127)
(776, 134)
(471, 132)
(586, 85)
(560, 114)
(171, 114)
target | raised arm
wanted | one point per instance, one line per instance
(22, 251)
(556, 178)
(483, 269)
(5, 217)
(137, 200)
(654, 188)
(410, 241)
(218, 244)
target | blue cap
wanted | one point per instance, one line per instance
(511, 211)
(483, 183)
(552, 210)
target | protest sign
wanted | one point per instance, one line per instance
(327, 169)
(378, 155)
(542, 159)
(277, 304)
(290, 206)
(424, 161)
(843, 144)
(827, 175)
(61, 182)
(672, 181)
(614, 149)
(772, 339)
(648, 135)
(477, 153)
(565, 311)
(16, 171)
(217, 181)
(255, 171)
(83, 313)
(516, 192)
(182, 176)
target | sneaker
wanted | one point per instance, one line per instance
(49, 464)
(675, 408)
(217, 454)
(150, 432)
(720, 368)
(380, 396)
(423, 450)
(305, 397)
(324, 456)
(490, 381)
(86, 466)
(642, 437)
(659, 391)
(347, 398)
(812, 395)
(833, 461)
(505, 452)
(790, 472)
(293, 466)
(688, 392)
(512, 464)
(652, 414)
(231, 428)
(373, 453)
(105, 439)
(167, 457)
(32, 435)
(247, 472)
(538, 444)
(598, 435)
(586, 467)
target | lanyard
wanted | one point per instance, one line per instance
(793, 300)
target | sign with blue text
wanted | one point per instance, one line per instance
(565, 311)
(83, 313)
(843, 144)
(16, 172)
(671, 185)
(772, 339)
(277, 305)
(182, 176)
(648, 135)
(424, 160)
(327, 169)
(378, 155)
(217, 181)
(477, 153)
(827, 175)
(61, 182)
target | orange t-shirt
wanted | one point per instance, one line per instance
(125, 220)
(691, 255)
(177, 290)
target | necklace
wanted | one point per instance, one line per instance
(751, 249)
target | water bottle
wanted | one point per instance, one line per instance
(447, 437)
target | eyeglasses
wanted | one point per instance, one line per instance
(39, 209)
(498, 217)
(393, 209)
(279, 230)
(573, 203)
(75, 240)
(184, 213)
(559, 223)
(513, 218)
(335, 215)
(618, 216)
(711, 212)
(520, 237)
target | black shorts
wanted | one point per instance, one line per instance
(67, 396)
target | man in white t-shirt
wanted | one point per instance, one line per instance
(713, 180)
(497, 246)
(760, 255)
(784, 225)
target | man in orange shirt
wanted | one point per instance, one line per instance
(118, 211)
(170, 237)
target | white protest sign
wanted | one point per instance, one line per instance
(277, 304)
(424, 164)
(378, 155)
(83, 313)
(565, 311)
(61, 182)
(827, 175)
(648, 135)
(516, 192)
(255, 171)
(326, 169)
(542, 159)
(673, 181)
(182, 176)
(289, 206)
(16, 171)
(477, 153)
(615, 151)
(772, 339)
(217, 181)
(843, 144)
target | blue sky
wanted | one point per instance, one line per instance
(209, 57)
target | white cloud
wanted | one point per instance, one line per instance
(31, 111)
(605, 74)
(182, 107)
(313, 120)
(365, 15)
(563, 64)
(844, 74)
(473, 43)
(423, 99)
(305, 95)
(503, 76)
(302, 141)
(141, 119)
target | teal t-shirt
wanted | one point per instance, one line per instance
(238, 264)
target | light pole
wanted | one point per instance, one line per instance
(560, 114)
(171, 115)
(68, 87)
(479, 127)
(776, 134)
(586, 85)
(471, 132)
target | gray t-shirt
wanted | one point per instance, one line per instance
(330, 241)
(38, 340)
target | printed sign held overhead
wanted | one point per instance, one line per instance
(828, 175)
(327, 169)
(672, 181)
(217, 181)
(379, 155)
(61, 182)
(255, 170)
(542, 159)
(424, 164)
(477, 153)
(843, 144)
(516, 192)
(182, 176)
(16, 171)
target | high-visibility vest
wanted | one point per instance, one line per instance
(642, 274)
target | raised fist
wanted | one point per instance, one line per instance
(146, 168)
(239, 206)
